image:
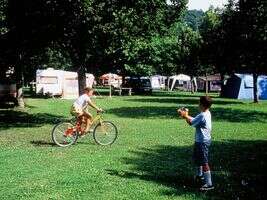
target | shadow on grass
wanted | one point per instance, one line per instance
(183, 101)
(238, 167)
(218, 114)
(15, 118)
(88, 140)
(42, 143)
(182, 94)
(6, 105)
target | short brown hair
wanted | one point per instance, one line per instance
(205, 101)
(88, 89)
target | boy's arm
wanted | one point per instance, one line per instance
(188, 119)
(90, 103)
(184, 114)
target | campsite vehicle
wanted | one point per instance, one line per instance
(181, 82)
(240, 86)
(59, 83)
(139, 85)
(158, 82)
(213, 83)
(111, 80)
(8, 92)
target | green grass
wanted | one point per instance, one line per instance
(150, 160)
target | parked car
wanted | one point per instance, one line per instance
(139, 85)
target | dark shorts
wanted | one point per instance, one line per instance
(201, 153)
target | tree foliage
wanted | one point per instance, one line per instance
(235, 40)
(193, 18)
(3, 11)
(96, 35)
(133, 37)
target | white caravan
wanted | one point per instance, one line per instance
(60, 83)
(158, 81)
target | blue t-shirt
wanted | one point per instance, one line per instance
(202, 123)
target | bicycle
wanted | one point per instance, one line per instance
(66, 133)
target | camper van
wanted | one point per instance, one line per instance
(139, 85)
(59, 83)
(110, 79)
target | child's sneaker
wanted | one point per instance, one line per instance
(206, 187)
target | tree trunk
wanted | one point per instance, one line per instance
(255, 87)
(19, 86)
(207, 84)
(222, 84)
(193, 85)
(81, 79)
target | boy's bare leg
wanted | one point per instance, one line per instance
(81, 122)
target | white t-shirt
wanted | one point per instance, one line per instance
(82, 101)
(202, 123)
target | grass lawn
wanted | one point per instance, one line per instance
(150, 160)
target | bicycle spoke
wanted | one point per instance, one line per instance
(105, 133)
(63, 135)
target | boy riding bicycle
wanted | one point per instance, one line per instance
(79, 106)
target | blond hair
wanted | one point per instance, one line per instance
(88, 89)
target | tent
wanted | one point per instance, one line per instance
(158, 81)
(214, 83)
(59, 83)
(180, 81)
(111, 80)
(240, 86)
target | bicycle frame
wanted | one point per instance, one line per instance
(97, 119)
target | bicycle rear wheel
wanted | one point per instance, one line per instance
(64, 134)
(105, 133)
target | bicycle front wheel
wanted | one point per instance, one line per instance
(64, 134)
(105, 133)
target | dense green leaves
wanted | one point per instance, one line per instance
(133, 37)
(193, 18)
(3, 11)
(94, 33)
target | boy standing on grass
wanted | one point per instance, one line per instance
(202, 123)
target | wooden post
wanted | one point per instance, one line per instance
(109, 90)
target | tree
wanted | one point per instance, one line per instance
(3, 11)
(252, 20)
(123, 32)
(92, 33)
(240, 39)
(193, 18)
(212, 46)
